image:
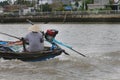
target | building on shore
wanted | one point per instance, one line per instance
(1, 9)
(98, 4)
(63, 1)
(103, 2)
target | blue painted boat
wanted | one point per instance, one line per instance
(8, 53)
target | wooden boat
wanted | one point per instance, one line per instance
(8, 53)
(31, 56)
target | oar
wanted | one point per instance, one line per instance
(56, 45)
(32, 22)
(65, 52)
(16, 38)
(55, 41)
(10, 35)
(62, 49)
(29, 21)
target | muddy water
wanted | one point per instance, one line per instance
(99, 42)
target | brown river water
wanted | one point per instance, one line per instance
(99, 42)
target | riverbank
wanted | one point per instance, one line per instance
(111, 18)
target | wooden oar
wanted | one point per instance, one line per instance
(29, 21)
(56, 45)
(32, 22)
(55, 41)
(10, 35)
(24, 47)
(65, 52)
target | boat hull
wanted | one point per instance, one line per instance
(31, 56)
(8, 53)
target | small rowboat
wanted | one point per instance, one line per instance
(30, 56)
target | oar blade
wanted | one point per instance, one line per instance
(29, 21)
(10, 35)
(65, 52)
(78, 52)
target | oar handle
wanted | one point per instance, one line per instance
(78, 52)
(55, 41)
(29, 21)
(65, 52)
(10, 35)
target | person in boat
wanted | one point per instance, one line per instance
(35, 39)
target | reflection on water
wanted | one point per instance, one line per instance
(99, 42)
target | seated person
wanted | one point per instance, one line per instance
(35, 39)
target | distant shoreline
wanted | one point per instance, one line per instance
(93, 18)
